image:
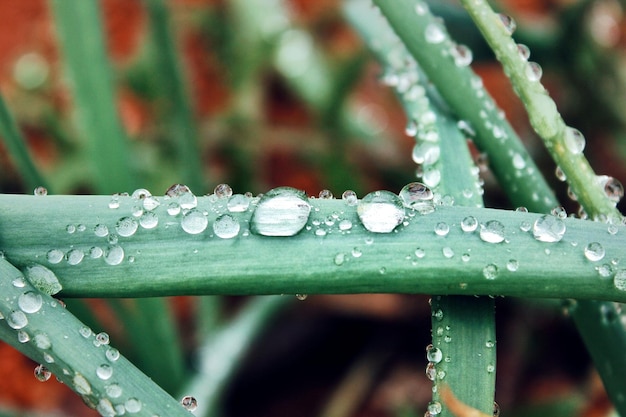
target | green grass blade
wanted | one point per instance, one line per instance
(178, 108)
(16, 146)
(57, 340)
(168, 261)
(222, 352)
(79, 29)
(462, 90)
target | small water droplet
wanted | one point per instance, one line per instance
(431, 177)
(525, 226)
(559, 174)
(356, 252)
(431, 371)
(140, 194)
(492, 232)
(30, 302)
(17, 319)
(345, 224)
(114, 203)
(574, 140)
(421, 9)
(302, 297)
(604, 270)
(508, 22)
(223, 191)
(434, 408)
(113, 390)
(85, 332)
(448, 252)
(42, 373)
(43, 279)
(194, 222)
(126, 226)
(594, 251)
(524, 51)
(182, 195)
(442, 229)
(112, 354)
(489, 344)
(426, 153)
(613, 189)
(133, 405)
(512, 265)
(173, 209)
(19, 282)
(95, 252)
(114, 255)
(22, 336)
(469, 224)
(490, 271)
(433, 354)
(466, 257)
(74, 256)
(81, 385)
(42, 341)
(189, 403)
(434, 33)
(549, 228)
(496, 409)
(104, 371)
(533, 71)
(518, 161)
(420, 253)
(339, 259)
(101, 230)
(105, 408)
(149, 220)
(381, 211)
(101, 338)
(238, 203)
(326, 195)
(350, 198)
(462, 55)
(40, 191)
(283, 211)
(491, 368)
(150, 203)
(418, 196)
(619, 280)
(226, 226)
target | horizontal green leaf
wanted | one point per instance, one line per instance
(322, 258)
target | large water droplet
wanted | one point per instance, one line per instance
(594, 251)
(282, 211)
(114, 255)
(126, 226)
(574, 140)
(492, 232)
(43, 279)
(30, 302)
(381, 211)
(548, 229)
(418, 197)
(226, 226)
(194, 222)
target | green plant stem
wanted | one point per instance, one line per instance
(178, 108)
(168, 261)
(462, 90)
(57, 342)
(222, 352)
(542, 111)
(79, 29)
(16, 147)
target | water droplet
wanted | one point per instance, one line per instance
(434, 33)
(418, 197)
(604, 270)
(173, 209)
(345, 224)
(140, 194)
(104, 371)
(126, 226)
(434, 408)
(442, 229)
(462, 55)
(30, 302)
(101, 230)
(112, 354)
(356, 252)
(594, 251)
(238, 203)
(339, 259)
(613, 189)
(42, 341)
(489, 344)
(525, 226)
(508, 22)
(560, 175)
(70, 228)
(433, 354)
(421, 9)
(350, 198)
(466, 257)
(223, 191)
(490, 271)
(81, 385)
(85, 332)
(512, 265)
(43, 279)
(326, 194)
(101, 338)
(438, 315)
(22, 336)
(182, 195)
(496, 409)
(426, 153)
(114, 203)
(189, 403)
(95, 252)
(42, 373)
(282, 211)
(17, 319)
(469, 224)
(533, 71)
(114, 255)
(105, 408)
(381, 211)
(491, 368)
(302, 297)
(40, 191)
(431, 177)
(55, 256)
(492, 232)
(113, 390)
(518, 161)
(612, 229)
(574, 140)
(448, 252)
(549, 229)
(149, 220)
(619, 280)
(75, 256)
(431, 371)
(194, 222)
(524, 51)
(150, 203)
(226, 226)
(133, 405)
(420, 253)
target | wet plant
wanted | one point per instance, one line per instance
(432, 236)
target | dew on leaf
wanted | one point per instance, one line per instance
(469, 224)
(30, 302)
(594, 251)
(74, 256)
(194, 222)
(508, 22)
(381, 211)
(492, 232)
(104, 371)
(16, 319)
(418, 196)
(574, 140)
(548, 228)
(442, 229)
(126, 226)
(226, 226)
(114, 255)
(283, 211)
(238, 203)
(350, 198)
(533, 71)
